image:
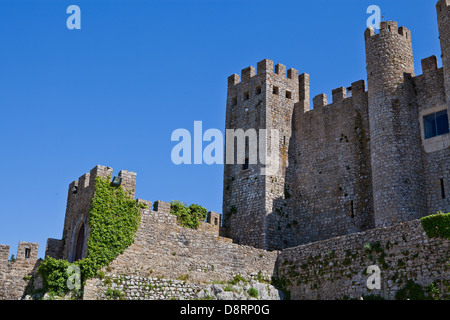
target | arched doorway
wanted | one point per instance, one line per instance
(79, 244)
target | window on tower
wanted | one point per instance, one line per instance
(436, 124)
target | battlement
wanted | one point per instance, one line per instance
(265, 66)
(83, 184)
(429, 64)
(26, 251)
(388, 28)
(339, 94)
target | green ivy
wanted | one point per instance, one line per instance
(113, 219)
(188, 217)
(437, 225)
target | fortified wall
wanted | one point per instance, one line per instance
(374, 155)
(355, 177)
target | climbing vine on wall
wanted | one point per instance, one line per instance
(113, 219)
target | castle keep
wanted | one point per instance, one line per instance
(356, 175)
(376, 155)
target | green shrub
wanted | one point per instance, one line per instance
(188, 217)
(252, 292)
(437, 225)
(411, 291)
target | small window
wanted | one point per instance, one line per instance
(352, 208)
(276, 90)
(234, 101)
(246, 96)
(245, 165)
(436, 124)
(288, 95)
(27, 253)
(216, 221)
(258, 90)
(442, 189)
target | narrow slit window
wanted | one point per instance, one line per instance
(352, 209)
(258, 90)
(246, 96)
(27, 253)
(442, 189)
(245, 165)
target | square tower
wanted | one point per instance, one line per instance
(258, 99)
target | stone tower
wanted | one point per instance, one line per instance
(396, 153)
(258, 100)
(73, 245)
(443, 14)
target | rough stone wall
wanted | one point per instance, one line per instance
(163, 248)
(443, 14)
(15, 275)
(330, 189)
(336, 268)
(261, 100)
(430, 93)
(126, 287)
(396, 152)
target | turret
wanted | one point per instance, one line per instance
(443, 15)
(397, 166)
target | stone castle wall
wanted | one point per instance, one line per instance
(15, 275)
(164, 249)
(336, 268)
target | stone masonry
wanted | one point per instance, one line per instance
(355, 176)
(358, 162)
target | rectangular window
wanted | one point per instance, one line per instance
(234, 101)
(27, 253)
(276, 90)
(436, 124)
(246, 96)
(288, 95)
(258, 90)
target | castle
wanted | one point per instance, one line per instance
(372, 158)
(355, 177)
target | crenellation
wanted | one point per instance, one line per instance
(265, 66)
(233, 80)
(292, 74)
(161, 206)
(355, 176)
(4, 253)
(247, 73)
(339, 94)
(280, 69)
(320, 101)
(429, 64)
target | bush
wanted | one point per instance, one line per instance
(188, 217)
(411, 291)
(437, 225)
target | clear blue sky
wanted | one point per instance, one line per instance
(113, 92)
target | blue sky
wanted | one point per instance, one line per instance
(113, 92)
